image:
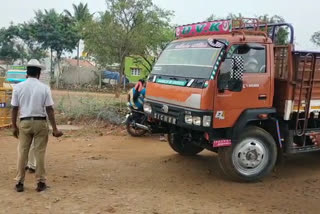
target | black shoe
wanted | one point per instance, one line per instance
(41, 186)
(26, 168)
(31, 170)
(19, 187)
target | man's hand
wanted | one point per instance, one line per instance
(57, 133)
(15, 132)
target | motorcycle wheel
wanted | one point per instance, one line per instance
(134, 131)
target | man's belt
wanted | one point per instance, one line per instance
(33, 118)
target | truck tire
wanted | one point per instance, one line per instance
(183, 147)
(251, 158)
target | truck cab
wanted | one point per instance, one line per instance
(214, 89)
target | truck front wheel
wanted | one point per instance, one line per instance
(251, 158)
(183, 146)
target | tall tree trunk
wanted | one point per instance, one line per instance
(59, 74)
(124, 81)
(121, 72)
(51, 68)
(78, 54)
(100, 79)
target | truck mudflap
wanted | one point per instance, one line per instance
(221, 143)
(218, 142)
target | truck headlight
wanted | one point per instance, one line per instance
(206, 122)
(147, 108)
(196, 121)
(188, 119)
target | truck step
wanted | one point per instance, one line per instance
(308, 130)
(297, 149)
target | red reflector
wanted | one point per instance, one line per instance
(263, 116)
(222, 143)
(206, 136)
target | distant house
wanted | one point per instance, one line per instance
(82, 63)
(71, 73)
(135, 71)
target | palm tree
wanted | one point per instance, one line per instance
(80, 15)
(81, 12)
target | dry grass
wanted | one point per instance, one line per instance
(88, 109)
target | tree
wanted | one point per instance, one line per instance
(80, 15)
(28, 39)
(56, 32)
(97, 40)
(315, 38)
(18, 42)
(212, 17)
(8, 51)
(12, 47)
(127, 27)
(282, 33)
(234, 16)
(154, 45)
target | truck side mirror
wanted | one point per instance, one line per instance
(236, 81)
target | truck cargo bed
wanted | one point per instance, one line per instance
(297, 81)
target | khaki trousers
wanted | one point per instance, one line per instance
(31, 158)
(38, 131)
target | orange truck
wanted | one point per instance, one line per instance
(228, 87)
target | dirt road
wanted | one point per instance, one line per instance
(121, 174)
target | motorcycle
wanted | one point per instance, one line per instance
(138, 123)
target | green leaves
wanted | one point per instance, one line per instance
(281, 33)
(128, 27)
(55, 31)
(80, 16)
(10, 50)
(315, 38)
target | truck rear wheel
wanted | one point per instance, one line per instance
(251, 158)
(182, 146)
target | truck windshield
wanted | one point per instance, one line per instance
(193, 59)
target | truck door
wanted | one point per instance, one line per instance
(257, 84)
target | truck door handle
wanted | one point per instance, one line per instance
(262, 97)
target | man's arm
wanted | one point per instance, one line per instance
(50, 113)
(14, 116)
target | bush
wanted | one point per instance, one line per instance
(86, 108)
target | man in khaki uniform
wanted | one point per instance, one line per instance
(34, 101)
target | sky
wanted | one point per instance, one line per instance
(302, 14)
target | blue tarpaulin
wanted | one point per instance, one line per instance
(114, 76)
